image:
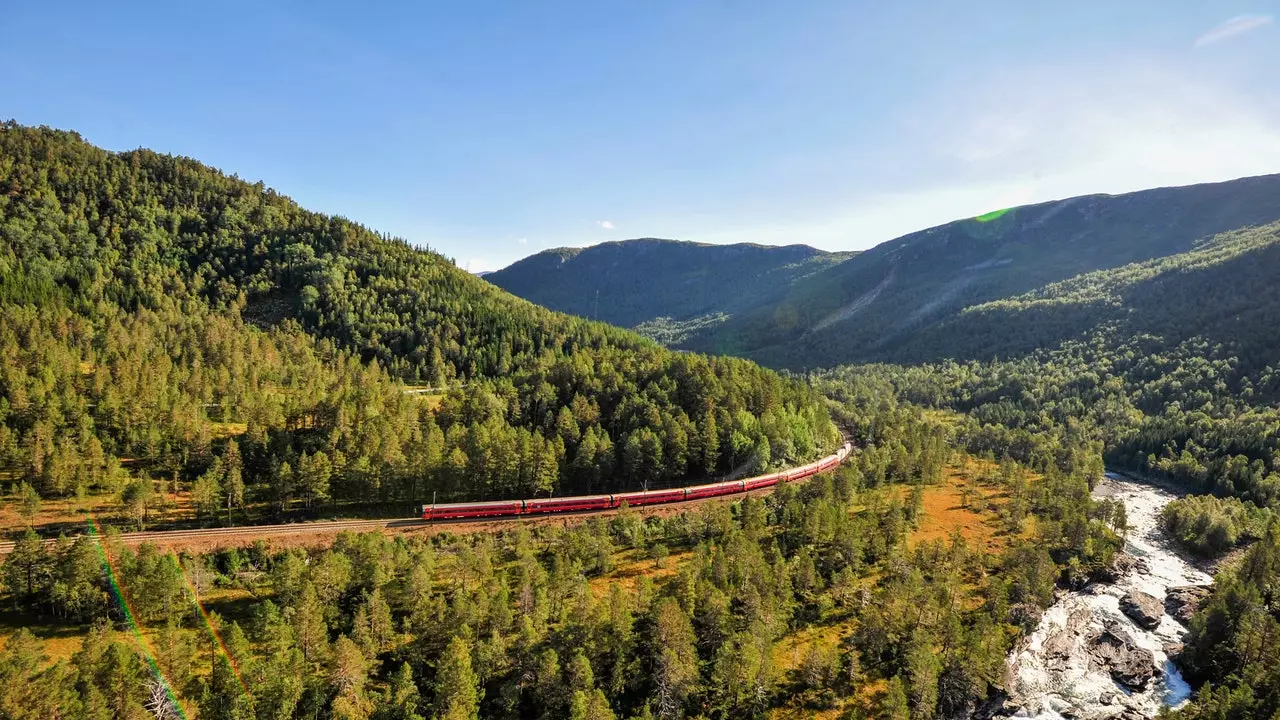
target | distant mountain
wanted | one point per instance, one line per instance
(667, 289)
(929, 295)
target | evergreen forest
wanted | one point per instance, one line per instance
(168, 330)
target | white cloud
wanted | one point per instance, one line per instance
(606, 224)
(1047, 134)
(479, 265)
(523, 240)
(1237, 25)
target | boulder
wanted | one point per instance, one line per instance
(995, 705)
(1130, 665)
(1123, 563)
(1144, 609)
(1182, 602)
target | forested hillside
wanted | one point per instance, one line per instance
(665, 288)
(1199, 413)
(1221, 292)
(821, 600)
(162, 320)
(912, 299)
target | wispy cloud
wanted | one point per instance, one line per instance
(523, 240)
(479, 265)
(606, 224)
(1237, 25)
(1068, 131)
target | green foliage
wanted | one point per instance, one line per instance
(192, 305)
(977, 290)
(1193, 413)
(457, 696)
(1210, 526)
(510, 625)
(1233, 645)
(666, 289)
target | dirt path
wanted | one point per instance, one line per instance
(323, 533)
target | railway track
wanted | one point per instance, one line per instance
(163, 536)
(234, 534)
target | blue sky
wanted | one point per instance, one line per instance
(490, 130)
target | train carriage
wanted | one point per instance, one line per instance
(582, 503)
(568, 504)
(649, 497)
(714, 489)
(764, 481)
(449, 511)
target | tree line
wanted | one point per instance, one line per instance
(519, 625)
(166, 326)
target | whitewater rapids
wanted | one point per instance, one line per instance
(1052, 673)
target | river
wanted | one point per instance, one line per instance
(1068, 666)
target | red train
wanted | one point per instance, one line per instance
(579, 503)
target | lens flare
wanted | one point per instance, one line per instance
(993, 215)
(123, 602)
(213, 631)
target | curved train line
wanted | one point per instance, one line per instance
(494, 510)
(581, 503)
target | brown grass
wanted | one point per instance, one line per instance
(631, 565)
(946, 513)
(221, 430)
(943, 514)
(67, 515)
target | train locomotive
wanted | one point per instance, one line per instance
(583, 503)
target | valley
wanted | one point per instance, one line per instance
(639, 361)
(995, 286)
(252, 402)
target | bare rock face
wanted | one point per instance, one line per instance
(1130, 665)
(1124, 563)
(996, 705)
(1144, 609)
(1182, 602)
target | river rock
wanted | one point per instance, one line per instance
(1130, 665)
(1182, 602)
(1129, 714)
(995, 705)
(1145, 609)
(1124, 563)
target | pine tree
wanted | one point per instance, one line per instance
(676, 661)
(348, 676)
(206, 491)
(314, 474)
(309, 626)
(26, 568)
(590, 706)
(893, 701)
(233, 481)
(457, 690)
(28, 503)
(709, 443)
(402, 699)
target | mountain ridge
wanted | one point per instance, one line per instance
(931, 275)
(640, 281)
